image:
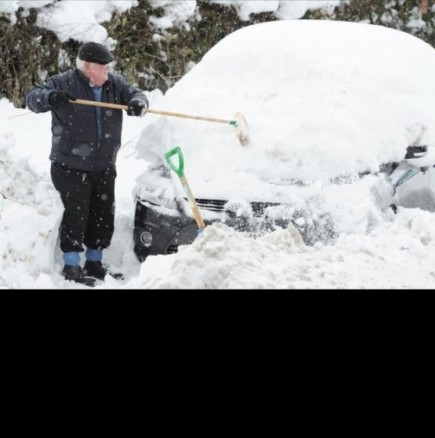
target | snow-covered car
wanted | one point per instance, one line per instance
(341, 120)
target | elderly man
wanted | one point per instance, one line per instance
(85, 143)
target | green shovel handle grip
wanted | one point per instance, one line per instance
(180, 169)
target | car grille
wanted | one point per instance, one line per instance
(211, 204)
(218, 205)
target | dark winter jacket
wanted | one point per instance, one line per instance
(74, 127)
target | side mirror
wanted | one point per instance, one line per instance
(415, 152)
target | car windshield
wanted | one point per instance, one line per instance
(323, 100)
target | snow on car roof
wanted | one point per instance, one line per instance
(322, 99)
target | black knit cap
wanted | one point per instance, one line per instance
(95, 52)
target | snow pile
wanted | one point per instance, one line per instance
(84, 18)
(398, 254)
(322, 99)
(283, 9)
(79, 20)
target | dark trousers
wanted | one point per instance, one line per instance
(89, 207)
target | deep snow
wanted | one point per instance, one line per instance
(397, 253)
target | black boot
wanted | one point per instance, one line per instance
(98, 270)
(75, 273)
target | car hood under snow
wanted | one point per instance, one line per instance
(323, 100)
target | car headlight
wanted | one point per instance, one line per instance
(146, 238)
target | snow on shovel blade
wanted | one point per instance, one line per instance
(241, 126)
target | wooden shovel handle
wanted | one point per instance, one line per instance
(193, 204)
(150, 110)
(102, 104)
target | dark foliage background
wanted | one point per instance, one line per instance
(29, 54)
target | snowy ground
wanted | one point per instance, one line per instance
(398, 253)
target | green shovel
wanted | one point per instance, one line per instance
(180, 172)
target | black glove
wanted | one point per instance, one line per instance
(59, 98)
(137, 107)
